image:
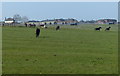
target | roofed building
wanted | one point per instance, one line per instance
(107, 21)
(9, 20)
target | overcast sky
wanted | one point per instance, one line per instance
(51, 10)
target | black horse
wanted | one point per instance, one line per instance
(26, 24)
(107, 29)
(37, 32)
(58, 27)
(98, 29)
(32, 25)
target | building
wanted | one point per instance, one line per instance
(9, 20)
(106, 21)
(60, 21)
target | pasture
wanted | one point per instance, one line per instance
(71, 50)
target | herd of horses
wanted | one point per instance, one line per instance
(42, 25)
(58, 27)
(98, 29)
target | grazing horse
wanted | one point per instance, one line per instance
(37, 32)
(107, 29)
(98, 29)
(26, 24)
(32, 25)
(58, 27)
(42, 26)
(46, 27)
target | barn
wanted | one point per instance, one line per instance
(9, 20)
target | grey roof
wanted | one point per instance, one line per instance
(9, 19)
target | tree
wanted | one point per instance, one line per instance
(17, 18)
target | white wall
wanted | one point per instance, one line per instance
(9, 21)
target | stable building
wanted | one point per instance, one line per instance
(9, 20)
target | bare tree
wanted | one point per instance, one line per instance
(17, 18)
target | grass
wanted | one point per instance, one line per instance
(72, 50)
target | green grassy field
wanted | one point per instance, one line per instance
(72, 50)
